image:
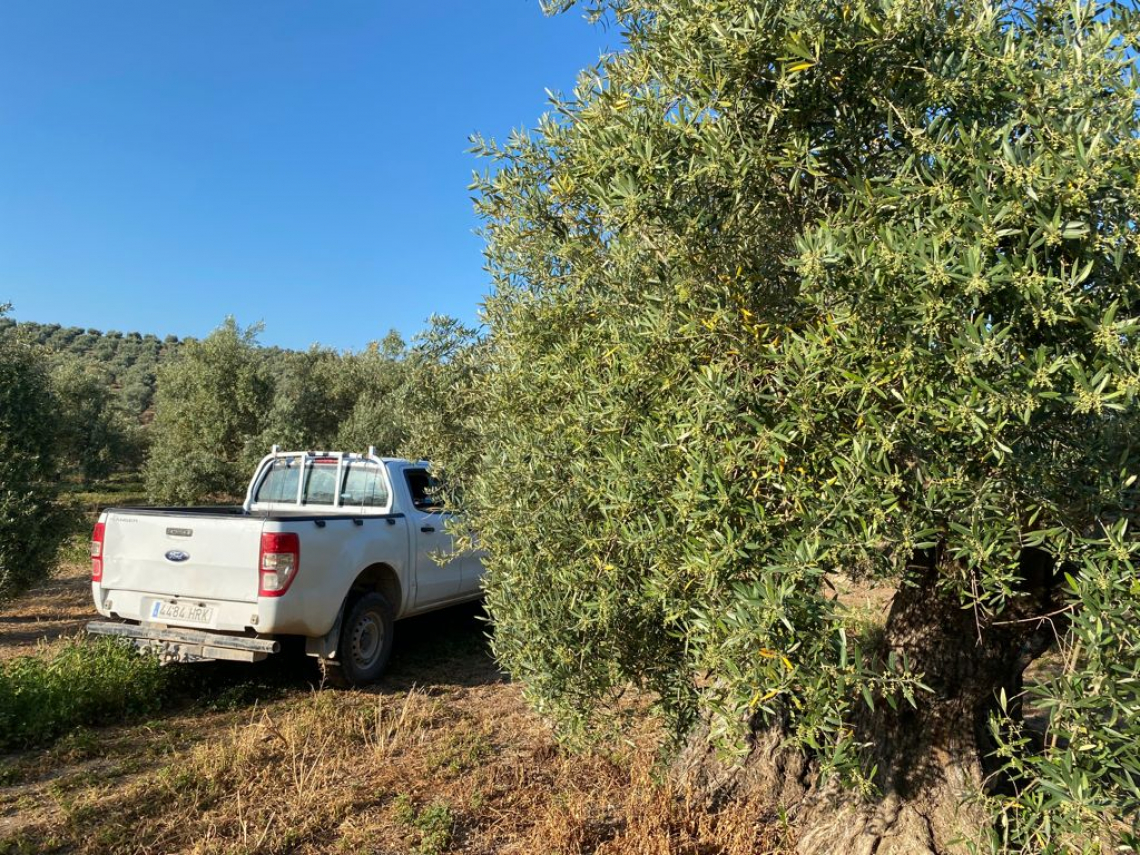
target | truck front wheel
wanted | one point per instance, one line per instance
(366, 639)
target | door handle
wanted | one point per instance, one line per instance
(427, 529)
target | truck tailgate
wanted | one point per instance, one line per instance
(207, 556)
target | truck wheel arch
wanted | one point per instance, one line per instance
(382, 579)
(376, 578)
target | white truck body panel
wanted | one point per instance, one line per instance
(358, 519)
(223, 551)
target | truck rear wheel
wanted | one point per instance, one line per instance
(366, 639)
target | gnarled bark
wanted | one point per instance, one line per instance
(930, 760)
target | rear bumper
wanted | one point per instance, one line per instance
(236, 616)
(188, 645)
(296, 613)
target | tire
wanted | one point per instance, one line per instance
(366, 640)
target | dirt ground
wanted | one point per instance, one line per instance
(60, 607)
(443, 756)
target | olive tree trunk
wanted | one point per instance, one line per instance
(932, 760)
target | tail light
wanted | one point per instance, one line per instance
(97, 552)
(278, 563)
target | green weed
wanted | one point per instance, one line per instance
(461, 751)
(72, 684)
(435, 823)
(10, 775)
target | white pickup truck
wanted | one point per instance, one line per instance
(329, 546)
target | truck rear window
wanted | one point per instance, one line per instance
(362, 484)
(320, 486)
(280, 483)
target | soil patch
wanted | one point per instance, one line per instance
(58, 607)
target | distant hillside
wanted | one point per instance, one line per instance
(129, 360)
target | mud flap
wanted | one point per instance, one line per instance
(325, 647)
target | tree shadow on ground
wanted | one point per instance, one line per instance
(448, 648)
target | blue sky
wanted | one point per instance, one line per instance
(302, 163)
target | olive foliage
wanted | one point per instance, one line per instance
(437, 397)
(223, 402)
(103, 383)
(130, 359)
(97, 434)
(796, 291)
(31, 526)
(210, 404)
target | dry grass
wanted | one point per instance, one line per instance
(443, 757)
(470, 770)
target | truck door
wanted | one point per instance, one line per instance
(435, 583)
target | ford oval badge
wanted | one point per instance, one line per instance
(177, 555)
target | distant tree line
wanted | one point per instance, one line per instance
(193, 417)
(222, 402)
(129, 361)
(103, 385)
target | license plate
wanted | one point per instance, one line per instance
(182, 612)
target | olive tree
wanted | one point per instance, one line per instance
(440, 370)
(794, 294)
(96, 434)
(310, 399)
(31, 523)
(211, 403)
(374, 379)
